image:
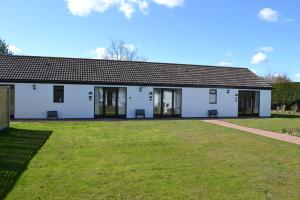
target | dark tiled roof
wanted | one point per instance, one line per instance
(92, 71)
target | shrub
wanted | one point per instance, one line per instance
(284, 130)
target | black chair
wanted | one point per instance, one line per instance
(213, 113)
(140, 113)
(52, 115)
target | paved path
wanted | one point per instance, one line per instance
(269, 134)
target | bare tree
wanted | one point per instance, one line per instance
(277, 78)
(120, 50)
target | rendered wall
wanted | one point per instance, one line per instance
(265, 103)
(139, 99)
(195, 102)
(30, 103)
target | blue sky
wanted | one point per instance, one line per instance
(263, 35)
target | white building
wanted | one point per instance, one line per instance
(90, 88)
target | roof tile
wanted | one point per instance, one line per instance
(93, 71)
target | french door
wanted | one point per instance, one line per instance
(248, 103)
(167, 102)
(110, 102)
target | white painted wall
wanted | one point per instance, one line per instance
(139, 100)
(31, 103)
(265, 103)
(195, 102)
(34, 104)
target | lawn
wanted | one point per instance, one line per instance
(167, 159)
(276, 123)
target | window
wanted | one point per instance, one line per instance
(58, 94)
(213, 96)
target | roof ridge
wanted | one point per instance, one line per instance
(128, 61)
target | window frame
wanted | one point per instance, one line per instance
(213, 92)
(55, 100)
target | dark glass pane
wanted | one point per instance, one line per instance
(98, 101)
(256, 102)
(241, 103)
(177, 102)
(58, 94)
(248, 103)
(212, 96)
(167, 102)
(110, 101)
(157, 101)
(122, 101)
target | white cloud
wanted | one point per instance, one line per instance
(84, 7)
(255, 71)
(266, 49)
(298, 75)
(170, 3)
(14, 49)
(143, 6)
(98, 53)
(225, 63)
(101, 52)
(127, 7)
(261, 55)
(269, 15)
(130, 47)
(259, 58)
(229, 54)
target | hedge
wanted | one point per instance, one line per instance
(286, 96)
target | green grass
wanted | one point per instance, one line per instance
(145, 160)
(276, 123)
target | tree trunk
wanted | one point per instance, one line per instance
(294, 107)
(278, 107)
(283, 107)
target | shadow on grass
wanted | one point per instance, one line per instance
(17, 148)
(285, 116)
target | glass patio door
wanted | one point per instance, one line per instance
(167, 102)
(248, 104)
(110, 102)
